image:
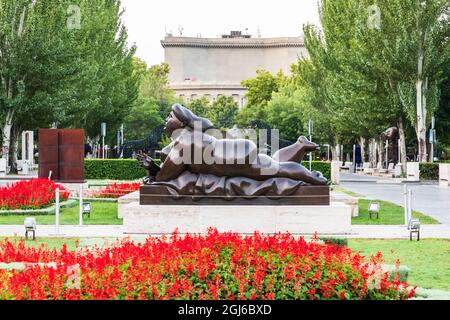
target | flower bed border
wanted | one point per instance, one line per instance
(36, 212)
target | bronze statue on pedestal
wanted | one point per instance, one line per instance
(197, 163)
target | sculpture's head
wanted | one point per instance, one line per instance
(390, 134)
(181, 117)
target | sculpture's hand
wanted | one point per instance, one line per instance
(145, 161)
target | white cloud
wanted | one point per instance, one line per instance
(148, 20)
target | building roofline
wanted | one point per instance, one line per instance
(233, 42)
(205, 86)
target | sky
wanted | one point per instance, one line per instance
(148, 21)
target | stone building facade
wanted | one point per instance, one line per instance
(216, 66)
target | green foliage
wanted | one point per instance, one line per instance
(165, 141)
(361, 79)
(342, 242)
(429, 171)
(321, 166)
(223, 112)
(286, 113)
(260, 90)
(120, 169)
(401, 271)
(143, 117)
(53, 74)
(200, 107)
(443, 113)
(154, 101)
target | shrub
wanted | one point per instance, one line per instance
(342, 242)
(429, 171)
(394, 271)
(30, 194)
(114, 169)
(322, 166)
(199, 267)
(129, 169)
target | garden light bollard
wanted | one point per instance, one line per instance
(81, 205)
(57, 212)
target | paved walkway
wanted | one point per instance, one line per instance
(426, 198)
(374, 232)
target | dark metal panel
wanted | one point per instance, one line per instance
(48, 153)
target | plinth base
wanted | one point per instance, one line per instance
(305, 195)
(164, 219)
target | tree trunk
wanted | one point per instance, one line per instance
(379, 152)
(14, 150)
(7, 134)
(337, 152)
(421, 110)
(362, 144)
(372, 153)
(401, 132)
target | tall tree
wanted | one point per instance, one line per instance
(223, 112)
(153, 102)
(259, 93)
(62, 62)
(368, 56)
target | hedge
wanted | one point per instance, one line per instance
(129, 169)
(113, 169)
(321, 166)
(429, 171)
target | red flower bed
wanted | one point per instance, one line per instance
(214, 266)
(116, 190)
(30, 194)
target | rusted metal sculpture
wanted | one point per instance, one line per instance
(61, 151)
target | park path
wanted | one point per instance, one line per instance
(426, 198)
(357, 231)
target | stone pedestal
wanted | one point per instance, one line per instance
(28, 147)
(353, 202)
(413, 171)
(3, 167)
(444, 175)
(164, 219)
(126, 199)
(335, 173)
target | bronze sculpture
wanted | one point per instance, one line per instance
(198, 164)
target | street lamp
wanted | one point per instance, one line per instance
(310, 133)
(103, 133)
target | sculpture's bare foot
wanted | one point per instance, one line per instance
(321, 180)
(308, 145)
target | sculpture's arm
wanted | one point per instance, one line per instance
(295, 152)
(172, 167)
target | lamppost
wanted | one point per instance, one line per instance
(103, 132)
(310, 133)
(432, 138)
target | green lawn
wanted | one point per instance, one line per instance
(103, 213)
(51, 243)
(428, 259)
(390, 214)
(350, 193)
